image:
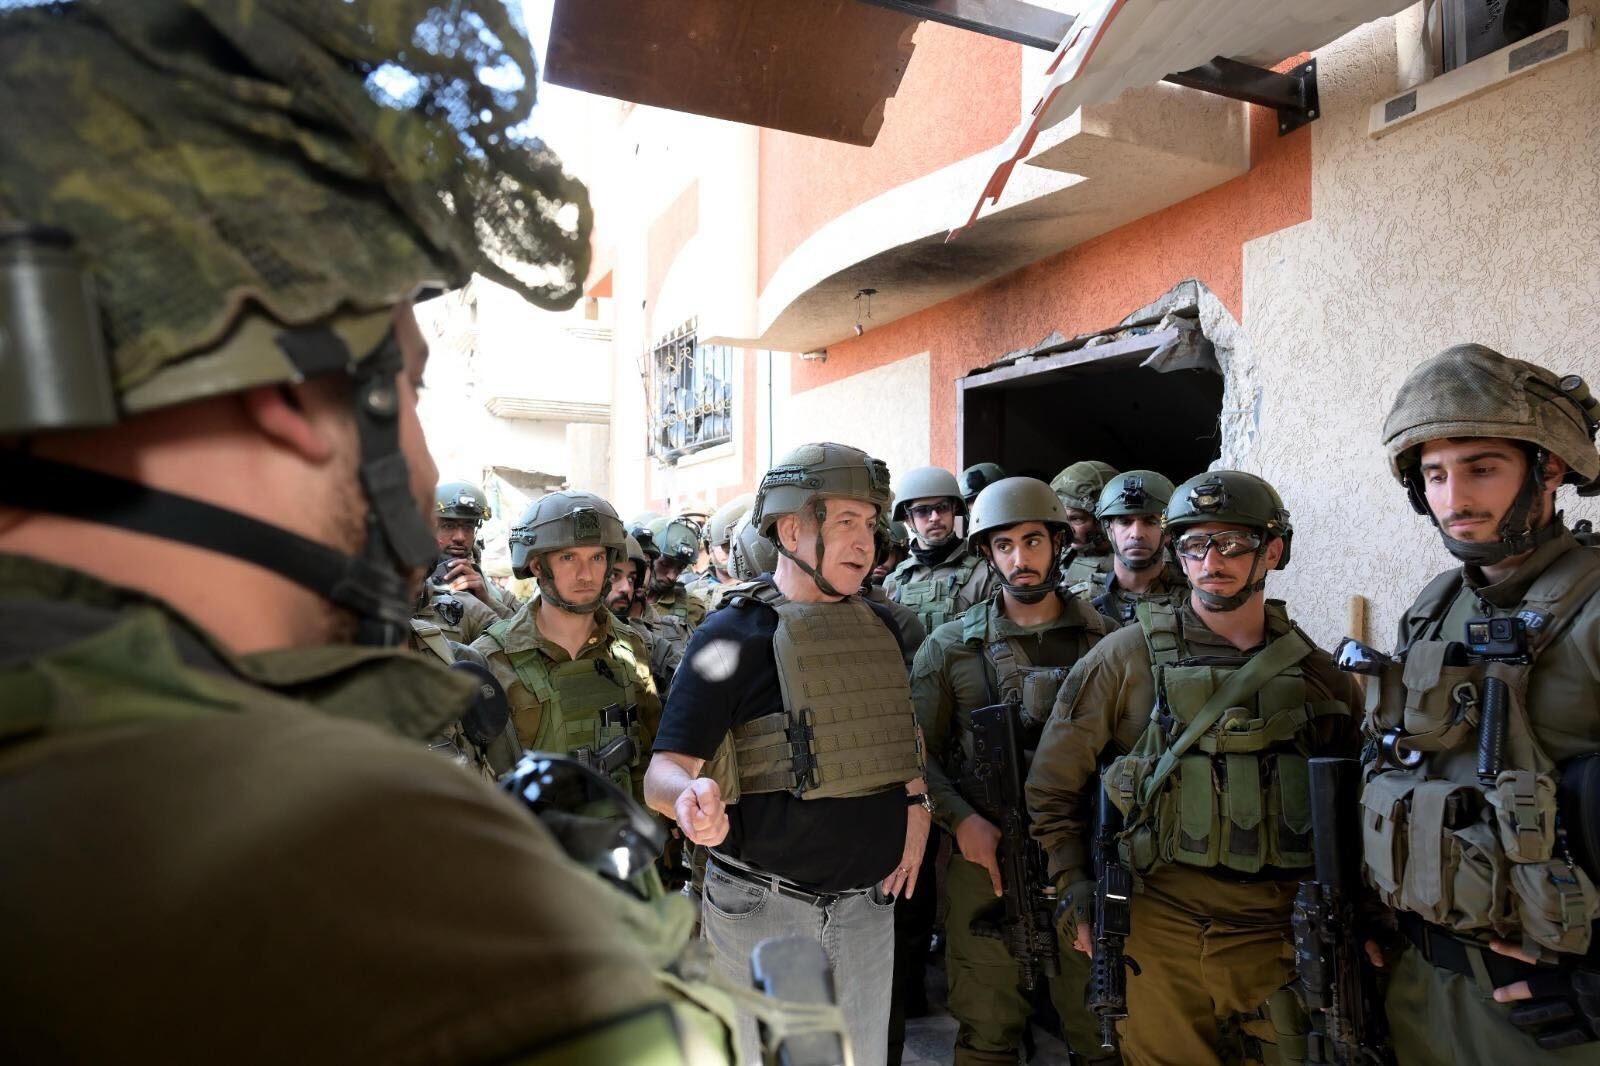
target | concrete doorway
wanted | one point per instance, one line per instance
(1141, 398)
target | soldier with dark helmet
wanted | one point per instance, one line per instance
(1089, 555)
(1015, 646)
(894, 547)
(576, 676)
(1129, 514)
(977, 477)
(1479, 848)
(1207, 710)
(215, 219)
(664, 636)
(676, 543)
(813, 837)
(941, 579)
(460, 509)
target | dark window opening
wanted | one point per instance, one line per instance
(1035, 418)
(692, 388)
(1471, 29)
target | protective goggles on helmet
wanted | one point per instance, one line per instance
(1230, 544)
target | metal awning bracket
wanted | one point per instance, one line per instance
(1292, 94)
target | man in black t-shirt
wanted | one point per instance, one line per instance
(788, 746)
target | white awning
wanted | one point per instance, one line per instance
(1119, 44)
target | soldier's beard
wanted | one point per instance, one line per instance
(345, 528)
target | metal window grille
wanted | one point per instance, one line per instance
(693, 394)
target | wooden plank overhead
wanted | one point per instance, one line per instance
(823, 68)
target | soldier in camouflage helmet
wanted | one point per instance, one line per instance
(460, 509)
(1129, 512)
(215, 218)
(1079, 487)
(977, 477)
(812, 839)
(1016, 646)
(1481, 443)
(577, 678)
(676, 546)
(941, 578)
(1207, 710)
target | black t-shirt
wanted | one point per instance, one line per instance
(730, 675)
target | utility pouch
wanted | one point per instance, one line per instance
(1243, 846)
(1525, 811)
(1556, 904)
(1386, 699)
(1123, 780)
(1441, 700)
(1289, 811)
(1190, 807)
(1039, 689)
(1455, 872)
(1383, 833)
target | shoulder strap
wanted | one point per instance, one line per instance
(433, 638)
(1162, 634)
(975, 622)
(1565, 586)
(1434, 600)
(1240, 685)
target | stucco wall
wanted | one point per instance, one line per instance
(1481, 223)
(883, 411)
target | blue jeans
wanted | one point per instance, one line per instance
(856, 933)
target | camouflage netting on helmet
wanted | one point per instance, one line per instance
(305, 156)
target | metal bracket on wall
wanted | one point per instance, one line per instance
(1293, 94)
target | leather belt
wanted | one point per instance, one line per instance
(1450, 952)
(773, 883)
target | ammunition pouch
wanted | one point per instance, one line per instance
(935, 599)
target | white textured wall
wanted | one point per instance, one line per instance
(883, 411)
(1480, 223)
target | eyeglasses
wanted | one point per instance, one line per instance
(928, 510)
(1230, 544)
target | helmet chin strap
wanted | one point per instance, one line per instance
(547, 587)
(1517, 537)
(1136, 564)
(1236, 600)
(820, 511)
(1030, 594)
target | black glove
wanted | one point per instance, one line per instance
(1565, 1008)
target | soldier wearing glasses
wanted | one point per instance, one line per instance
(1207, 710)
(941, 579)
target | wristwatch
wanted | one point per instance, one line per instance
(920, 799)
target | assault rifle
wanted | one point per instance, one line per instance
(1113, 921)
(1023, 917)
(1340, 993)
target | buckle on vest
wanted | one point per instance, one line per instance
(801, 736)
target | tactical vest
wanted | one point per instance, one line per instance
(1016, 679)
(934, 600)
(1122, 606)
(1479, 858)
(426, 635)
(583, 703)
(847, 727)
(1219, 778)
(1083, 570)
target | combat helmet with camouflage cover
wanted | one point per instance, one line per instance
(1009, 502)
(331, 173)
(566, 519)
(1231, 497)
(1080, 484)
(462, 501)
(1470, 391)
(804, 480)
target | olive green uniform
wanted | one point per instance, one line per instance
(956, 673)
(666, 638)
(475, 618)
(1085, 570)
(685, 604)
(557, 702)
(279, 846)
(1213, 943)
(1117, 603)
(942, 591)
(1437, 1015)
(912, 631)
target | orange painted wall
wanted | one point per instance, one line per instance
(1093, 285)
(960, 95)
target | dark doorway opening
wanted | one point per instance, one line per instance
(1037, 414)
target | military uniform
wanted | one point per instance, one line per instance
(1117, 603)
(1085, 569)
(475, 618)
(352, 855)
(1080, 486)
(666, 638)
(1461, 853)
(941, 589)
(975, 661)
(559, 703)
(685, 604)
(912, 633)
